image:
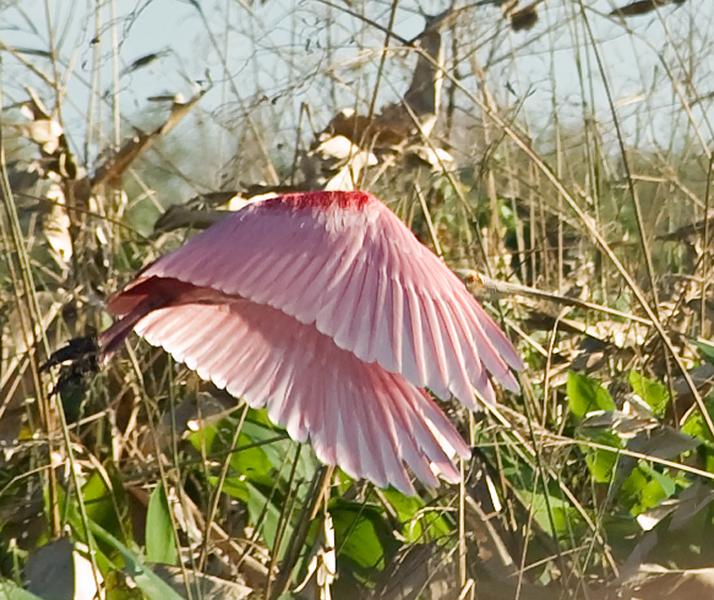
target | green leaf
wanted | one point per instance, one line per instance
(586, 395)
(646, 488)
(117, 587)
(563, 517)
(148, 582)
(259, 507)
(276, 450)
(251, 462)
(9, 590)
(665, 482)
(100, 503)
(651, 391)
(361, 534)
(202, 440)
(69, 508)
(601, 464)
(160, 541)
(706, 350)
(262, 450)
(694, 424)
(418, 526)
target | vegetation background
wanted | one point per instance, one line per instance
(556, 154)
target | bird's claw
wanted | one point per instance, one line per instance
(77, 358)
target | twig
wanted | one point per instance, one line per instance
(320, 487)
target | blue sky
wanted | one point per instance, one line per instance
(277, 57)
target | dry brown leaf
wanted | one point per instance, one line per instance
(525, 18)
(641, 7)
(653, 582)
(336, 163)
(201, 585)
(56, 225)
(419, 571)
(45, 133)
(436, 158)
(178, 216)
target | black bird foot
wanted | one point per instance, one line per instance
(77, 359)
(78, 350)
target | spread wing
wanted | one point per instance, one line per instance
(355, 271)
(367, 420)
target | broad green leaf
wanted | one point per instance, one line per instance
(148, 582)
(651, 391)
(98, 499)
(706, 349)
(563, 517)
(9, 590)
(160, 541)
(601, 463)
(251, 461)
(262, 512)
(69, 508)
(203, 439)
(666, 483)
(117, 587)
(586, 395)
(280, 452)
(262, 450)
(361, 534)
(646, 488)
(417, 525)
(695, 426)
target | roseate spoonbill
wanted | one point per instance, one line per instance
(324, 308)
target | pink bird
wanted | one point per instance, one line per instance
(325, 309)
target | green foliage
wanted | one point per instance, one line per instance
(694, 424)
(651, 391)
(362, 535)
(11, 591)
(601, 463)
(555, 515)
(263, 509)
(148, 582)
(259, 471)
(100, 500)
(706, 349)
(646, 488)
(586, 395)
(160, 542)
(418, 524)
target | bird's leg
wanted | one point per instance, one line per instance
(78, 357)
(88, 353)
(85, 355)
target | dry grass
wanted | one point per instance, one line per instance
(577, 203)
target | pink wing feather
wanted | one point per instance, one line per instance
(356, 415)
(324, 308)
(344, 262)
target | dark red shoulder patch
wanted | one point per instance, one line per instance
(321, 199)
